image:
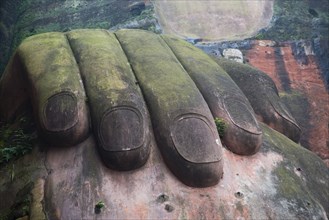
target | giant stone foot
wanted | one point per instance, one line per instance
(125, 85)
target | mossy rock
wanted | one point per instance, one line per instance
(263, 96)
(146, 100)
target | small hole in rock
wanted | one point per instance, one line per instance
(299, 169)
(238, 195)
(169, 208)
(162, 198)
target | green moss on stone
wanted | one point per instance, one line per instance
(50, 65)
(157, 69)
(100, 56)
(301, 177)
(289, 183)
(293, 20)
(221, 126)
(205, 72)
(299, 106)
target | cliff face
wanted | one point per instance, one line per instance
(296, 70)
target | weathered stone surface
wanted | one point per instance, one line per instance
(55, 87)
(183, 124)
(108, 72)
(263, 96)
(298, 70)
(308, 25)
(282, 181)
(118, 111)
(224, 98)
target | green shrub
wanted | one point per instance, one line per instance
(100, 205)
(15, 142)
(221, 126)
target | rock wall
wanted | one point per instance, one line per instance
(296, 71)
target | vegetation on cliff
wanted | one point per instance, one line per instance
(16, 139)
(297, 19)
